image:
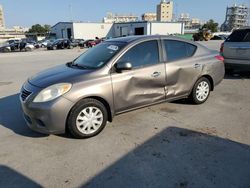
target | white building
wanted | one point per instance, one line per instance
(81, 30)
(92, 30)
(118, 18)
(237, 16)
(148, 28)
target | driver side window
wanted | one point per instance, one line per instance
(141, 55)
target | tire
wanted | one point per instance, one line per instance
(6, 50)
(80, 113)
(28, 49)
(201, 91)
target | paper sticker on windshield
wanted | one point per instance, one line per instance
(113, 47)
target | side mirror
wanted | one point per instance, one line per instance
(123, 66)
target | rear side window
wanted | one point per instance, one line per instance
(239, 36)
(176, 50)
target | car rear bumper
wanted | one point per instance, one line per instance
(49, 117)
(237, 64)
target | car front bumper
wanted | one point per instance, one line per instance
(48, 117)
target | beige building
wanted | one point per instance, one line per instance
(149, 16)
(165, 11)
(2, 24)
(190, 23)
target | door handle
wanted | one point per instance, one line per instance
(156, 74)
(196, 66)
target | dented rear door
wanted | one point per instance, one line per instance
(182, 70)
(145, 83)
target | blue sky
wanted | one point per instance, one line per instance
(29, 12)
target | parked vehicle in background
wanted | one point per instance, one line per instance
(94, 42)
(77, 42)
(84, 44)
(60, 44)
(218, 37)
(236, 50)
(13, 41)
(202, 35)
(118, 76)
(16, 45)
(30, 41)
(44, 43)
(74, 43)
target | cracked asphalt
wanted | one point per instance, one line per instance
(168, 145)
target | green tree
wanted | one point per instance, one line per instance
(37, 28)
(211, 25)
(47, 28)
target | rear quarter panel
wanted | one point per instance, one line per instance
(213, 68)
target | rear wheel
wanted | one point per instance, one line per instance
(87, 119)
(201, 91)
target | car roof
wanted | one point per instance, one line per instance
(243, 28)
(130, 39)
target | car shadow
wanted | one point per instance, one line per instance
(11, 178)
(180, 158)
(185, 101)
(11, 117)
(237, 75)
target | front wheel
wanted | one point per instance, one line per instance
(87, 119)
(201, 91)
(28, 49)
(6, 50)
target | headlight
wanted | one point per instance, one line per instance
(52, 92)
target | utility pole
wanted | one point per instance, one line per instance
(70, 12)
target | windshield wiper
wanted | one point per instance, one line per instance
(80, 66)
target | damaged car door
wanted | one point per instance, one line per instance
(182, 69)
(139, 78)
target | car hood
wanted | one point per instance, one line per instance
(58, 74)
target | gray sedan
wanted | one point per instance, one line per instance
(118, 76)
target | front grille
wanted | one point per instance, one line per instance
(25, 94)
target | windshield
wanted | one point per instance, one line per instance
(99, 55)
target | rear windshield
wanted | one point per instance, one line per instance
(239, 36)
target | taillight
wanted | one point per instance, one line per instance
(220, 58)
(222, 48)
